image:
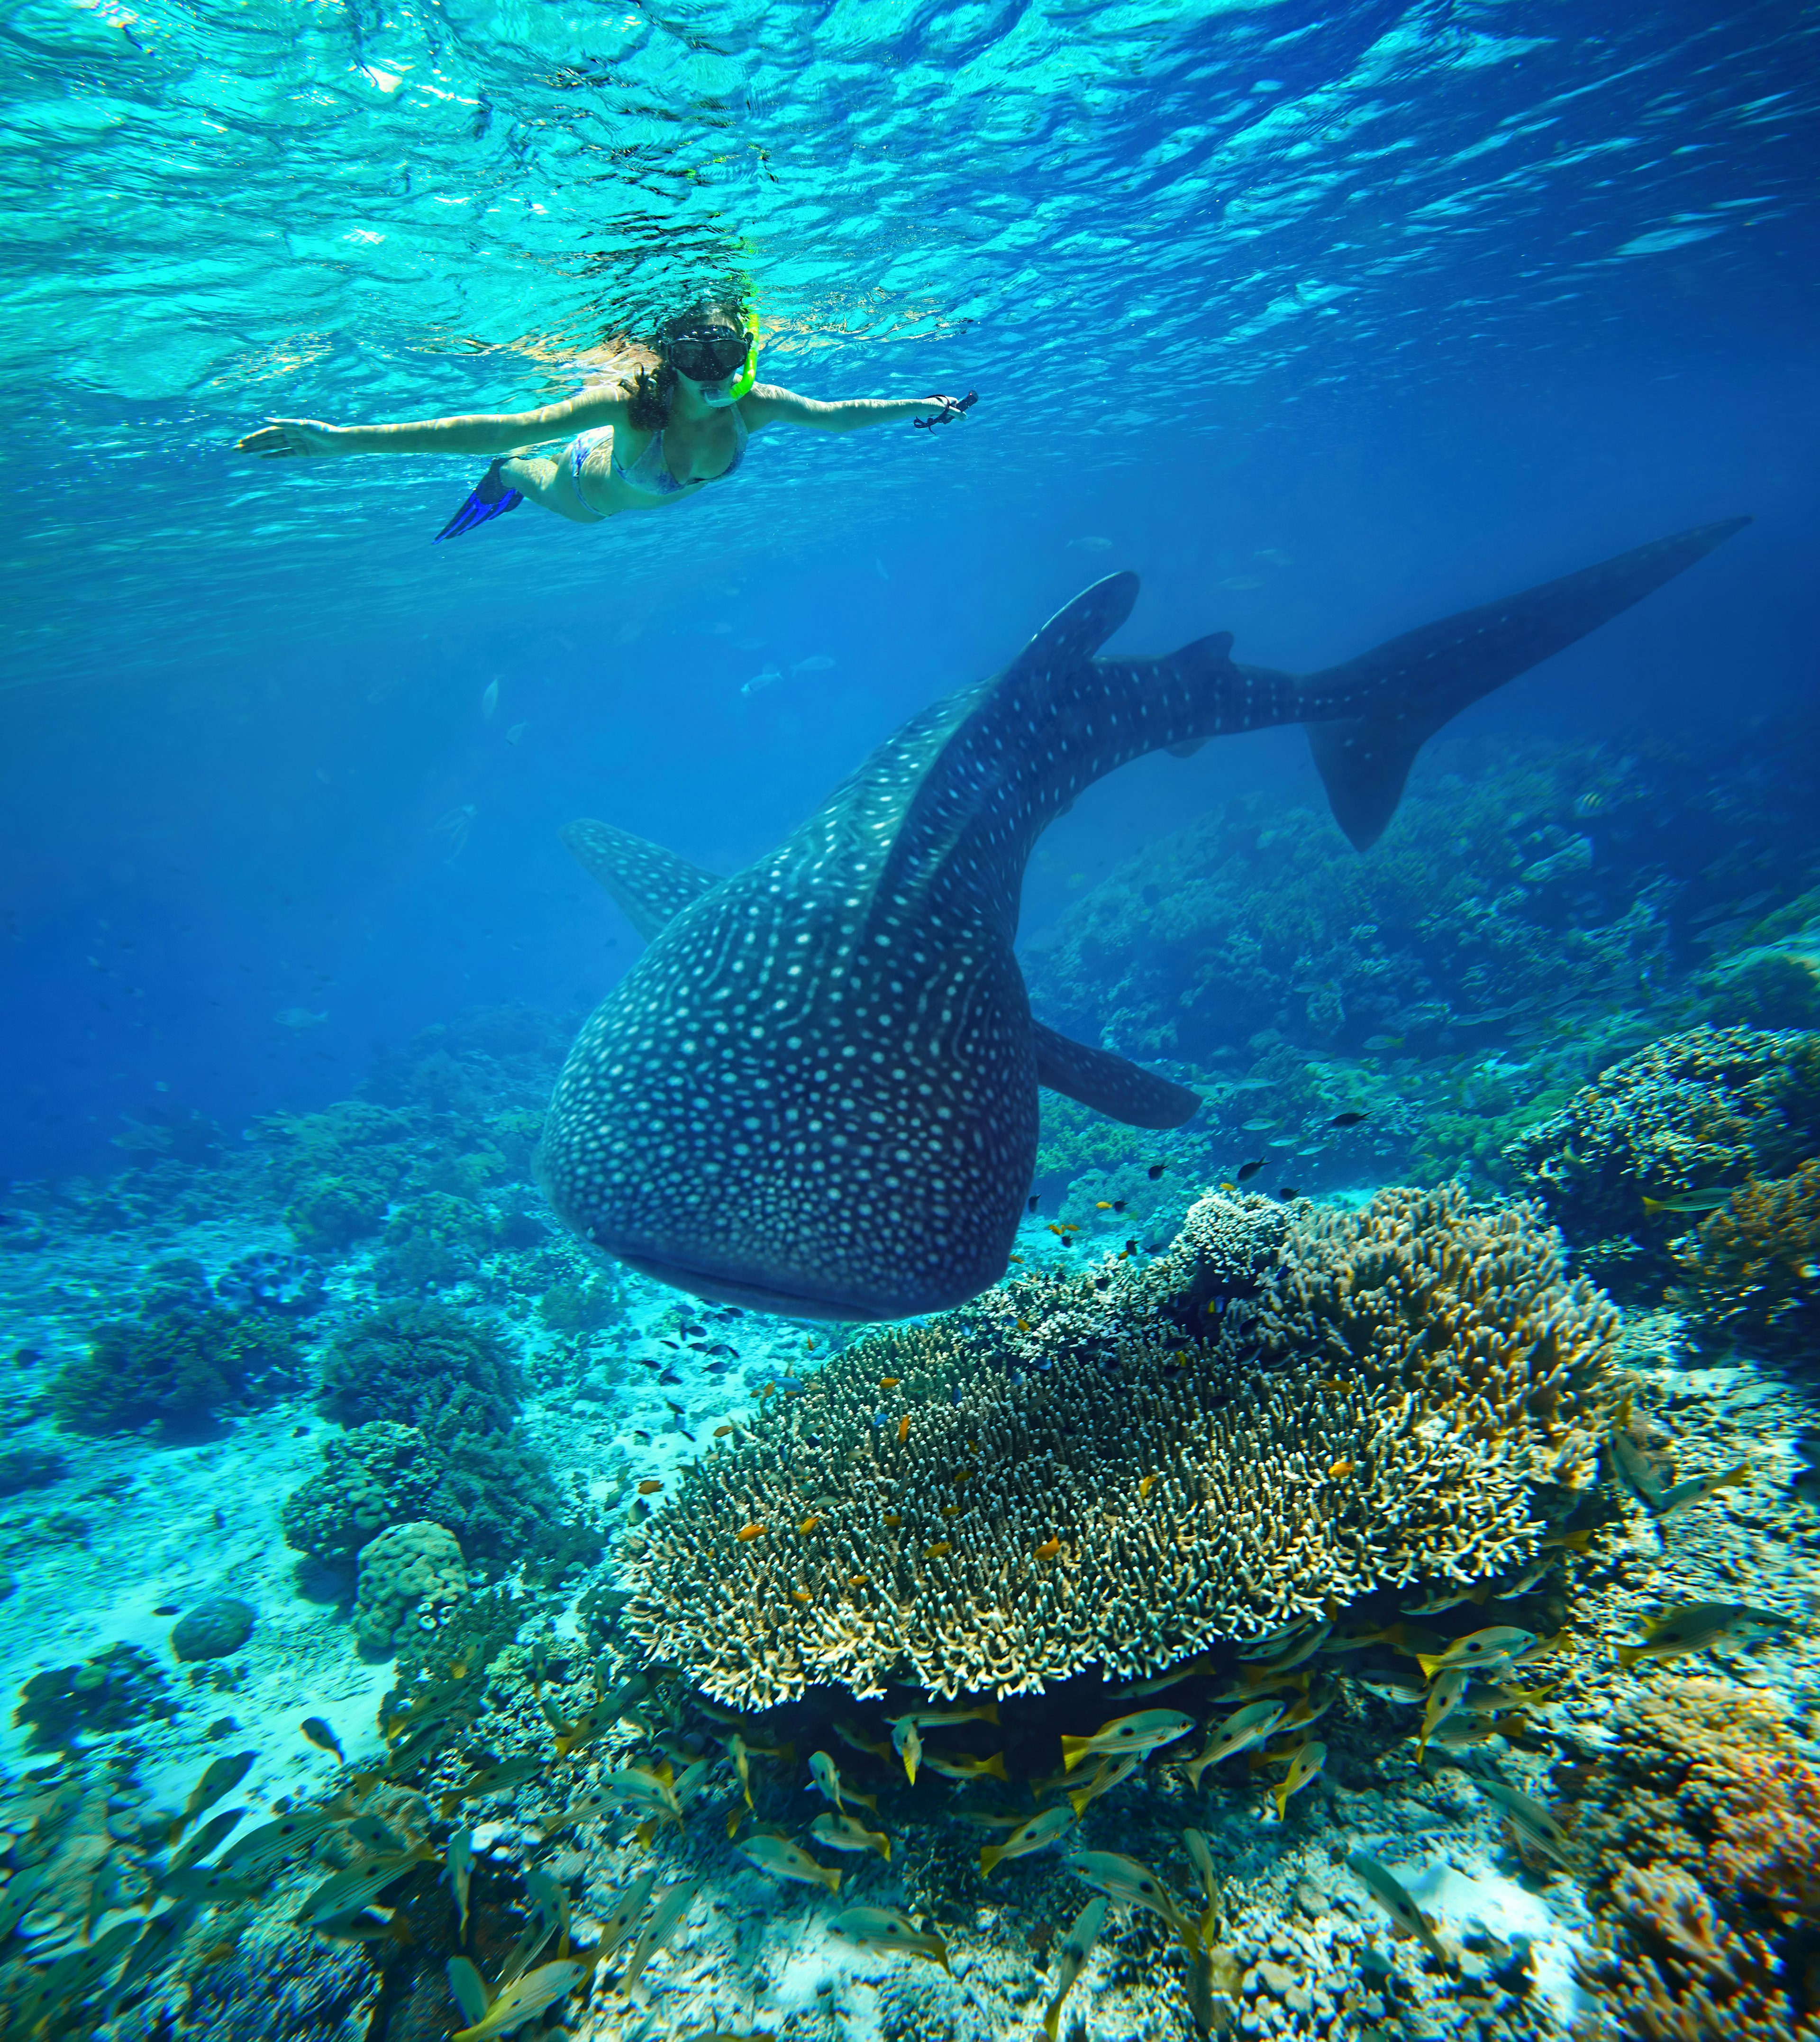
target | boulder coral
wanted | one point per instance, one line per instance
(1280, 1415)
(1693, 1111)
(374, 1477)
(412, 1578)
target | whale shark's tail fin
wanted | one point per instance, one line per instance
(1420, 680)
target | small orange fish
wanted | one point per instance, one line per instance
(1342, 1468)
(765, 1389)
(1048, 1550)
(961, 1475)
(1054, 1228)
(1146, 1485)
(889, 1381)
(750, 1532)
(1013, 1258)
(904, 1429)
(799, 1595)
(1103, 1205)
(858, 1581)
(808, 1525)
(458, 1669)
(649, 1488)
(935, 1552)
(950, 1510)
(721, 1432)
(1024, 1326)
(892, 1517)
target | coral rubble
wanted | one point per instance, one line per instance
(1281, 1414)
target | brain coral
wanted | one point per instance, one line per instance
(1693, 1110)
(1124, 1465)
(411, 1577)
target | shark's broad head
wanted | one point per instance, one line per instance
(816, 1093)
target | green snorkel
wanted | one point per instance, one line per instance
(749, 368)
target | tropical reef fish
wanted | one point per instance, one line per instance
(1140, 1734)
(1698, 1488)
(671, 1905)
(1532, 1821)
(908, 1746)
(1303, 1765)
(1240, 1731)
(525, 1997)
(1133, 1885)
(1496, 1646)
(458, 1869)
(816, 1094)
(1691, 1202)
(847, 1833)
(322, 1738)
(1393, 1898)
(963, 1765)
(1109, 1773)
(1071, 1957)
(353, 1888)
(1037, 1834)
(945, 1718)
(1697, 1626)
(784, 1859)
(885, 1928)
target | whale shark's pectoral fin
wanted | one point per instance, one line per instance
(652, 884)
(1428, 676)
(1109, 1084)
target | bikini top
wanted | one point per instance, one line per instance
(650, 473)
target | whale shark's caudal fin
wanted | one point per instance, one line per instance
(1428, 676)
(652, 884)
(1109, 1084)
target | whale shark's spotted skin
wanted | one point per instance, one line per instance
(816, 1092)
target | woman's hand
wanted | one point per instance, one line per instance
(279, 437)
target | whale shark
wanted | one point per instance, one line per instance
(815, 1092)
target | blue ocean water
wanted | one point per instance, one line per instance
(1327, 324)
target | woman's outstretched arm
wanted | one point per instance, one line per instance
(475, 432)
(767, 405)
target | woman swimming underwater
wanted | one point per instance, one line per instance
(639, 443)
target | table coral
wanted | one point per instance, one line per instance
(1700, 1109)
(1752, 1270)
(1280, 1414)
(1705, 1821)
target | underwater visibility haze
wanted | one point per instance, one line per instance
(740, 1304)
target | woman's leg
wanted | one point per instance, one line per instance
(548, 484)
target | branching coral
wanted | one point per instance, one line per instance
(1124, 1465)
(1753, 1268)
(1693, 1110)
(1706, 1821)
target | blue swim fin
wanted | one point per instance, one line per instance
(491, 499)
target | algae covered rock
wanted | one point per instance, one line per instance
(412, 1578)
(372, 1477)
(213, 1629)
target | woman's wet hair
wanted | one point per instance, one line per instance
(654, 388)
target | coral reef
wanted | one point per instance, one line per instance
(1282, 1414)
(375, 1476)
(270, 1283)
(1692, 1111)
(432, 1242)
(213, 1629)
(1706, 1823)
(177, 1363)
(413, 1364)
(411, 1577)
(1751, 1271)
(112, 1690)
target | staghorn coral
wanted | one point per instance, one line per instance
(1692, 1110)
(1752, 1270)
(1706, 1823)
(1123, 1466)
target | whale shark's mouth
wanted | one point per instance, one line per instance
(724, 1288)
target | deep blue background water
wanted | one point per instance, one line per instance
(220, 774)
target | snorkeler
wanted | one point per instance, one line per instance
(676, 418)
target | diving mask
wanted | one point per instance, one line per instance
(721, 360)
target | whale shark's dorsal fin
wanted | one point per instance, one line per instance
(1078, 630)
(1109, 1084)
(1430, 675)
(652, 884)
